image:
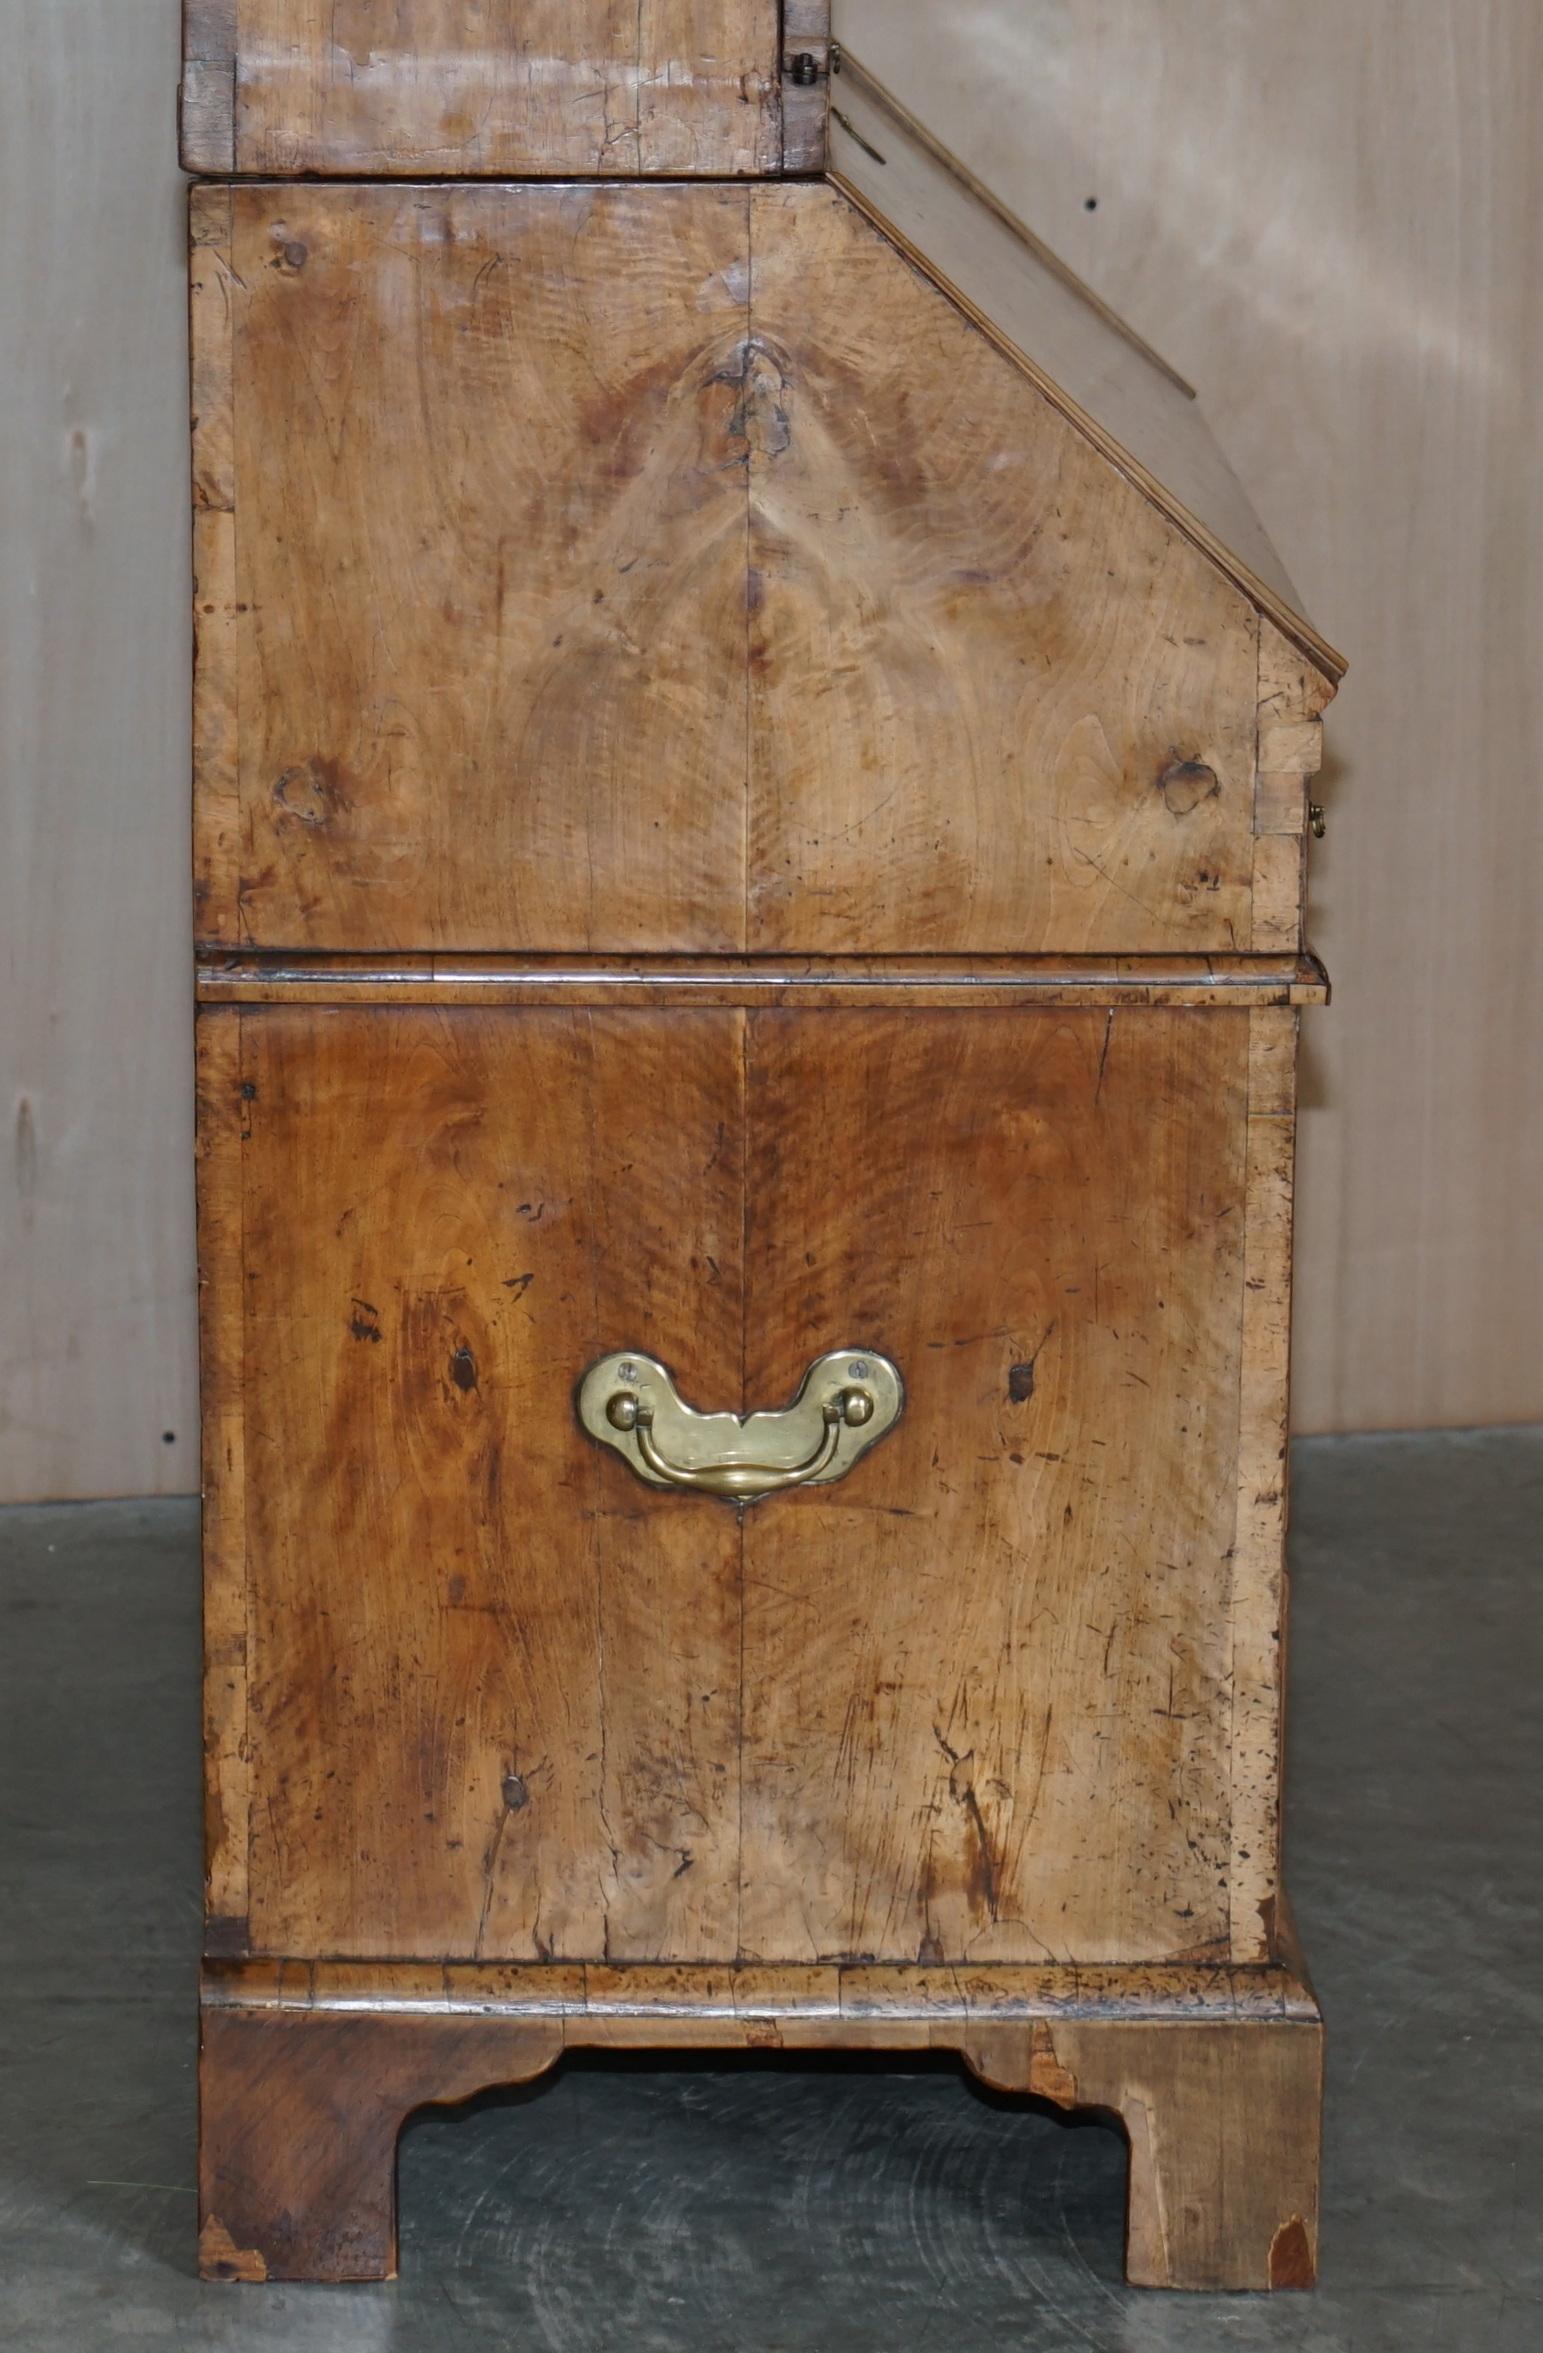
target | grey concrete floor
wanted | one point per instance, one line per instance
(764, 2206)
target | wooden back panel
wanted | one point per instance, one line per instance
(381, 88)
(677, 568)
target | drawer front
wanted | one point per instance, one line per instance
(479, 1691)
(580, 569)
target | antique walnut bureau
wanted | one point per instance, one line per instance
(751, 796)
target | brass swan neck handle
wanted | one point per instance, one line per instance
(742, 1476)
(847, 1400)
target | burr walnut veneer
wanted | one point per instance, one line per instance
(749, 870)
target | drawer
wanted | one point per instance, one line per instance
(1003, 1692)
(577, 572)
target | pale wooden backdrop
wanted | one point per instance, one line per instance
(96, 1197)
(1329, 217)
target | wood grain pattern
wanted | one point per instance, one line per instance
(207, 95)
(217, 609)
(712, 632)
(492, 1689)
(1000, 703)
(986, 1676)
(307, 2076)
(510, 87)
(920, 1717)
(222, 1130)
(298, 2126)
(491, 660)
(1223, 2123)
(1292, 694)
(1258, 1613)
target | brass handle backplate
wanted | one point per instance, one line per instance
(629, 1402)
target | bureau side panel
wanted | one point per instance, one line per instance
(675, 569)
(492, 1687)
(987, 1677)
(362, 89)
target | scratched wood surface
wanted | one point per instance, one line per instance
(1293, 692)
(475, 1692)
(1223, 2126)
(222, 1110)
(987, 1714)
(298, 2133)
(506, 87)
(632, 599)
(792, 2003)
(490, 1702)
(1258, 1613)
(307, 2076)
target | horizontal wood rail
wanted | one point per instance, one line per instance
(653, 2002)
(1002, 981)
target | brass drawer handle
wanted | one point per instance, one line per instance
(848, 1399)
(735, 1476)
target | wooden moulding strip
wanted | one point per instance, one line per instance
(655, 2001)
(1002, 981)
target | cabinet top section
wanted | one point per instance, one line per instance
(475, 89)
